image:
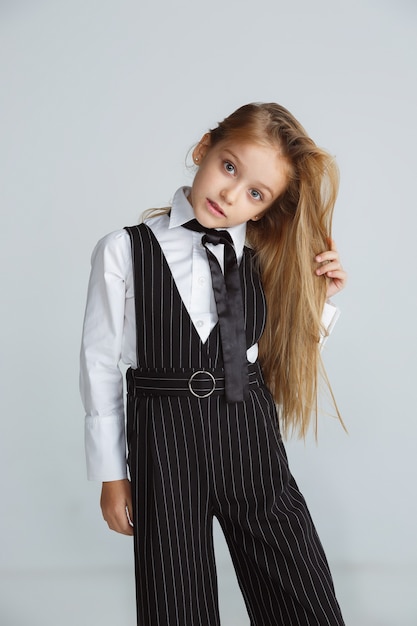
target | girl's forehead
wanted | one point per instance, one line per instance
(248, 146)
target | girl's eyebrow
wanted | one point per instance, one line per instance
(258, 184)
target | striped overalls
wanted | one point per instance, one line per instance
(193, 457)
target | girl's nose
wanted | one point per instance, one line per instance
(229, 193)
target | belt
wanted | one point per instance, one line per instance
(200, 383)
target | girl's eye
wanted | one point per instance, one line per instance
(255, 194)
(229, 167)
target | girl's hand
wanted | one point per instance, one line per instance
(331, 268)
(116, 506)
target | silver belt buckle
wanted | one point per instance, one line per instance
(205, 395)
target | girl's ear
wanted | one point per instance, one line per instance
(201, 149)
(260, 215)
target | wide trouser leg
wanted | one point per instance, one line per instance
(279, 560)
(176, 580)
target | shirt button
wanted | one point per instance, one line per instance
(199, 323)
(201, 281)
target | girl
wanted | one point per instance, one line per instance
(211, 357)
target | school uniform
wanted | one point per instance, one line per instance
(192, 455)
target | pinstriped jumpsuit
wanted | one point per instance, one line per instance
(191, 459)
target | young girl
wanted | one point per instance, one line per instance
(217, 334)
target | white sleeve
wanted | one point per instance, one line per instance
(329, 318)
(101, 381)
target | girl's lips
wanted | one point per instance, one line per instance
(214, 208)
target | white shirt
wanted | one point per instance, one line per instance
(109, 334)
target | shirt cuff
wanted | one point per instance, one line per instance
(105, 446)
(329, 318)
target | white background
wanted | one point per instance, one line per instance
(100, 102)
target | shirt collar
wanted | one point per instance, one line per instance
(182, 212)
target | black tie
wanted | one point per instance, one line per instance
(228, 296)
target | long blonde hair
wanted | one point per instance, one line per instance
(295, 228)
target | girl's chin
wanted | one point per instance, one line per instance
(208, 220)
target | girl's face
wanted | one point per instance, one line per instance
(235, 182)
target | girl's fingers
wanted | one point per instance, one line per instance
(327, 255)
(330, 254)
(329, 260)
(119, 522)
(337, 282)
(330, 266)
(338, 275)
(116, 506)
(129, 513)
